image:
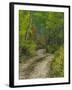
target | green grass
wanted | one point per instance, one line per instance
(57, 65)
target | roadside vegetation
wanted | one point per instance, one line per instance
(57, 65)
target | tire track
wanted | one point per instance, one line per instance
(38, 68)
(41, 69)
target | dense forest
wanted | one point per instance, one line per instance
(42, 30)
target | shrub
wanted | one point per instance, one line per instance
(52, 48)
(29, 48)
(57, 65)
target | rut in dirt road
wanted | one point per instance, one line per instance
(36, 68)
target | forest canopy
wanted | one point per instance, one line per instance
(39, 29)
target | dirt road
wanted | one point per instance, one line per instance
(36, 67)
